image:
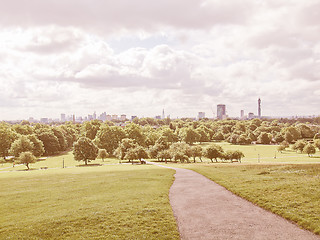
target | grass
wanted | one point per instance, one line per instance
(267, 154)
(56, 162)
(106, 202)
(291, 191)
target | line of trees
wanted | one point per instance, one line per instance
(152, 138)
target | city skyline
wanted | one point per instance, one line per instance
(182, 56)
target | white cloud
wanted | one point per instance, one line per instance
(183, 55)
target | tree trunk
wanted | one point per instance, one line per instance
(27, 164)
(86, 162)
(211, 160)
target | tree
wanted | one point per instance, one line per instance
(288, 137)
(189, 135)
(26, 158)
(63, 144)
(214, 152)
(299, 145)
(196, 151)
(134, 132)
(50, 142)
(238, 155)
(107, 138)
(124, 147)
(7, 137)
(91, 128)
(85, 150)
(38, 149)
(23, 144)
(102, 154)
(317, 143)
(264, 138)
(309, 149)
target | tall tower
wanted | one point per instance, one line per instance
(163, 114)
(221, 111)
(259, 108)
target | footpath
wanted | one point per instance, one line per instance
(206, 210)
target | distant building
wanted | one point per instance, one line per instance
(163, 114)
(114, 117)
(221, 111)
(259, 108)
(133, 117)
(201, 115)
(94, 116)
(242, 114)
(108, 117)
(63, 117)
(90, 117)
(157, 117)
(123, 117)
(251, 115)
(44, 120)
(103, 116)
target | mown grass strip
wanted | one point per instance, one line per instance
(291, 191)
(108, 202)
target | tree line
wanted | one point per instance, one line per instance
(168, 140)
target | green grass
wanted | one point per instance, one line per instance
(106, 202)
(292, 191)
(267, 154)
(56, 162)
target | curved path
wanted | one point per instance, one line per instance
(205, 210)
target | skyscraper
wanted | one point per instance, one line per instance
(221, 111)
(259, 108)
(163, 114)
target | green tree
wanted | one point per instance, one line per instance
(124, 147)
(85, 150)
(63, 144)
(108, 138)
(26, 158)
(91, 128)
(264, 138)
(288, 137)
(189, 135)
(134, 132)
(38, 149)
(22, 144)
(309, 149)
(214, 152)
(299, 145)
(102, 154)
(317, 143)
(50, 142)
(7, 137)
(196, 151)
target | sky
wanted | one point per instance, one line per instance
(140, 57)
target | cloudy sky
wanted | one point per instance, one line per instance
(138, 57)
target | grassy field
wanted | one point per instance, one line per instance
(105, 202)
(267, 154)
(292, 191)
(56, 162)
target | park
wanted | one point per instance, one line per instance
(88, 181)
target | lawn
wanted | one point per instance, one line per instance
(105, 202)
(59, 161)
(291, 191)
(259, 153)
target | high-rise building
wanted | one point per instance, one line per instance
(201, 115)
(63, 117)
(162, 113)
(221, 111)
(259, 108)
(242, 114)
(123, 117)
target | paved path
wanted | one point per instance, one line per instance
(205, 210)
